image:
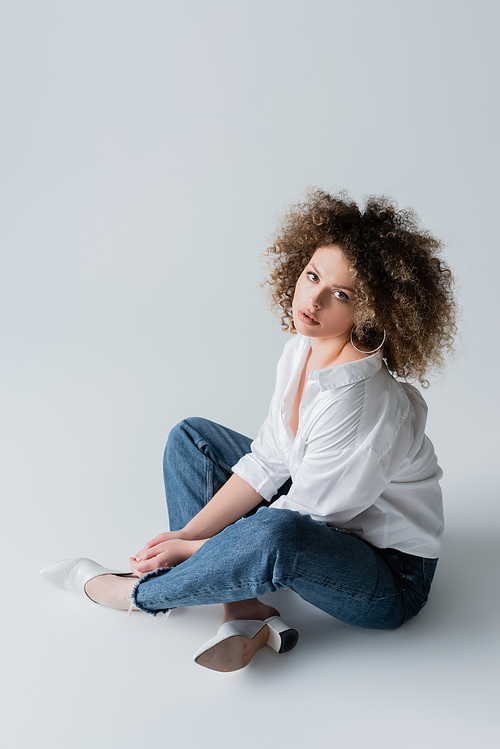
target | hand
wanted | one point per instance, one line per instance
(166, 550)
(161, 538)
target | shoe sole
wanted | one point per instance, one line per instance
(233, 653)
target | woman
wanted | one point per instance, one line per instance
(338, 496)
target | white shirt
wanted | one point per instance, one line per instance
(360, 460)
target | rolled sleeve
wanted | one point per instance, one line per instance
(249, 469)
(263, 468)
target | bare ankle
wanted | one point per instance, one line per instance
(249, 609)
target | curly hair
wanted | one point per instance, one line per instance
(403, 286)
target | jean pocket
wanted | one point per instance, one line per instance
(422, 583)
(428, 572)
(418, 573)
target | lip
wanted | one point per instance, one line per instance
(306, 320)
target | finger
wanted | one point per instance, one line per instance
(157, 540)
(146, 566)
(141, 569)
(141, 554)
(133, 565)
(144, 555)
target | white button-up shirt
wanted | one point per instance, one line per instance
(360, 460)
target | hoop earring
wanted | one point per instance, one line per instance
(368, 352)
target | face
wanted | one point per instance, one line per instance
(324, 295)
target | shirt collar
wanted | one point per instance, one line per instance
(341, 374)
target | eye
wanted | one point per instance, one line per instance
(341, 295)
(310, 273)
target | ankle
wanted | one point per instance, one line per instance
(249, 609)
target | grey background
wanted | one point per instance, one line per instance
(146, 152)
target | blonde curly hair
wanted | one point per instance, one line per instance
(403, 286)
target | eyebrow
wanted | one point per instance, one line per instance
(337, 285)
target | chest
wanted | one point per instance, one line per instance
(294, 419)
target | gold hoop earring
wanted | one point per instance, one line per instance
(368, 352)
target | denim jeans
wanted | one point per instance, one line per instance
(271, 549)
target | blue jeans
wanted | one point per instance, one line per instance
(270, 549)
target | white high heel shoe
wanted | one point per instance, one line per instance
(73, 574)
(236, 642)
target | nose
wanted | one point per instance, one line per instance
(316, 296)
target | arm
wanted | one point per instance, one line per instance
(231, 502)
(262, 468)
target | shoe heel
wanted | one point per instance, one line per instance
(282, 638)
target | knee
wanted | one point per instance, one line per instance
(279, 538)
(191, 429)
(175, 436)
(183, 434)
(194, 424)
(281, 529)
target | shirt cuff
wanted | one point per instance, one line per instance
(254, 474)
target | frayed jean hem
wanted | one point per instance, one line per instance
(133, 595)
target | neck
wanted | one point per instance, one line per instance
(326, 352)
